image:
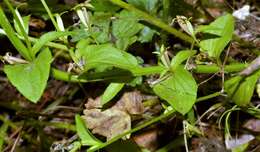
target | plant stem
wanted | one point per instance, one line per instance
(10, 33)
(50, 15)
(25, 35)
(155, 21)
(65, 76)
(208, 96)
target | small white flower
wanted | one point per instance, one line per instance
(242, 13)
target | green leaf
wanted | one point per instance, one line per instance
(104, 6)
(232, 84)
(105, 55)
(50, 36)
(84, 134)
(111, 91)
(179, 90)
(124, 42)
(31, 79)
(221, 31)
(146, 35)
(241, 90)
(126, 25)
(180, 57)
(24, 21)
(17, 43)
(148, 5)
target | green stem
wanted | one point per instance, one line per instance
(213, 95)
(50, 44)
(50, 15)
(16, 18)
(169, 113)
(214, 68)
(65, 76)
(155, 21)
(10, 33)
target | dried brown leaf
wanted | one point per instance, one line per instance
(131, 102)
(93, 103)
(148, 139)
(108, 123)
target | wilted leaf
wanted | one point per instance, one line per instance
(31, 79)
(221, 31)
(108, 123)
(148, 139)
(179, 90)
(131, 102)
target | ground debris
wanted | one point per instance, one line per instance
(108, 123)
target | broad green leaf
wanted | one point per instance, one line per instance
(111, 91)
(146, 35)
(84, 134)
(31, 79)
(221, 33)
(126, 25)
(241, 90)
(105, 55)
(179, 90)
(209, 29)
(232, 84)
(17, 43)
(180, 57)
(124, 42)
(104, 6)
(101, 27)
(50, 36)
(148, 5)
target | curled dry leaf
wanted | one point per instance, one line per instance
(131, 102)
(108, 123)
(93, 103)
